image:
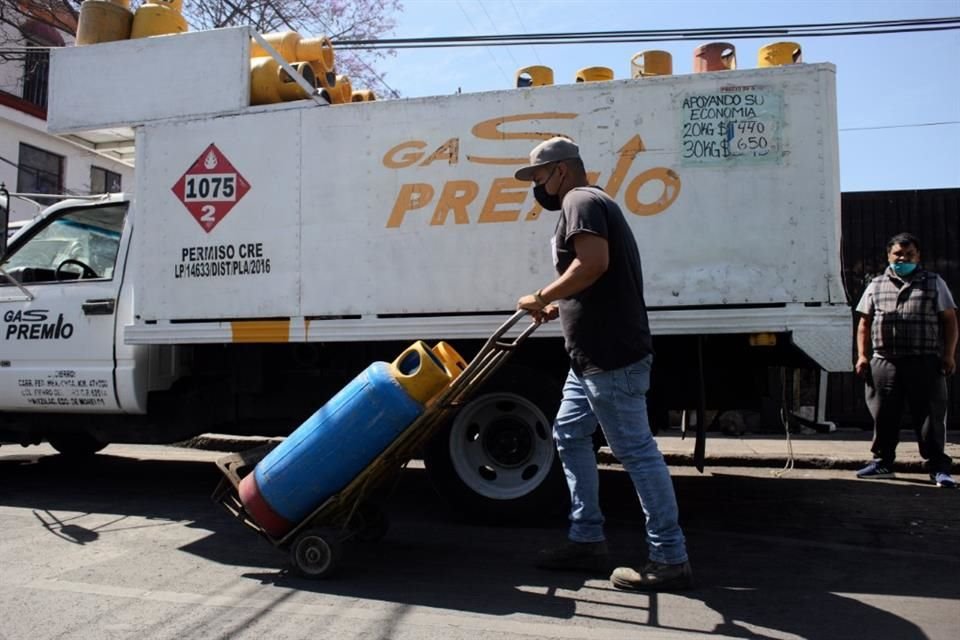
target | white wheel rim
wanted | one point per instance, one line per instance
(501, 446)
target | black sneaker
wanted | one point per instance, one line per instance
(575, 556)
(875, 469)
(654, 577)
(943, 479)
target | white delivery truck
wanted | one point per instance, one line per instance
(270, 253)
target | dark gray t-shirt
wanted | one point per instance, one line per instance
(605, 326)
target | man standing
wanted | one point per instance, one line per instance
(599, 299)
(909, 318)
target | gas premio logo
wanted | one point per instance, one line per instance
(645, 193)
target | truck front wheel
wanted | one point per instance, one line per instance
(496, 460)
(76, 445)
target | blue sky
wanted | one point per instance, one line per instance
(889, 87)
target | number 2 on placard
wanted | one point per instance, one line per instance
(208, 212)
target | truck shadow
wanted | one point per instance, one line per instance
(784, 555)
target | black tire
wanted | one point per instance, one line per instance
(76, 445)
(495, 462)
(316, 553)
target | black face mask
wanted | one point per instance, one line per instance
(549, 201)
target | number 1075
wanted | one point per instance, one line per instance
(211, 187)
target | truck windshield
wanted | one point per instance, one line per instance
(81, 243)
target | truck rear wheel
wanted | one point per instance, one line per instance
(496, 460)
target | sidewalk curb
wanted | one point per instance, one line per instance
(226, 443)
(771, 462)
(233, 444)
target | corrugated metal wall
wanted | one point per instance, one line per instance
(869, 219)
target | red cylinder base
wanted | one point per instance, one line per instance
(257, 508)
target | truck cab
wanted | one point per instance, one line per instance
(62, 300)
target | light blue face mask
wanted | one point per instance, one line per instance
(903, 268)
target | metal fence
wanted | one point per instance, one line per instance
(869, 219)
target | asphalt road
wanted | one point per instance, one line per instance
(129, 545)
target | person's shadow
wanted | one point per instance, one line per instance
(794, 555)
(747, 614)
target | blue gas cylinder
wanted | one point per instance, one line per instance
(337, 442)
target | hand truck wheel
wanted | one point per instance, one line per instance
(316, 553)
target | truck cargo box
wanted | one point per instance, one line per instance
(401, 218)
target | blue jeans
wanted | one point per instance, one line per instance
(618, 400)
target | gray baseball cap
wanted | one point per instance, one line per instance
(552, 150)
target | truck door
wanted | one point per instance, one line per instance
(59, 287)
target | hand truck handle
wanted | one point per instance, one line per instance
(496, 338)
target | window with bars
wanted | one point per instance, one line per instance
(36, 72)
(39, 35)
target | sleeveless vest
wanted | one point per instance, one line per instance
(905, 320)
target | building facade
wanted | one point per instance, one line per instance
(32, 160)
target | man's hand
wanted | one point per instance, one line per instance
(539, 312)
(949, 365)
(548, 313)
(948, 319)
(529, 303)
(862, 368)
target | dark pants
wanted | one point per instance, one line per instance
(918, 382)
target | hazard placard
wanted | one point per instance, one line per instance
(210, 188)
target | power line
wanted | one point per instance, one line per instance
(524, 27)
(493, 57)
(797, 28)
(820, 30)
(902, 126)
(494, 25)
(346, 45)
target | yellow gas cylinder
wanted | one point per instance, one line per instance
(363, 95)
(714, 56)
(452, 361)
(328, 82)
(326, 79)
(158, 18)
(284, 42)
(293, 47)
(420, 372)
(594, 74)
(102, 21)
(342, 91)
(651, 63)
(269, 83)
(533, 76)
(325, 94)
(778, 54)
